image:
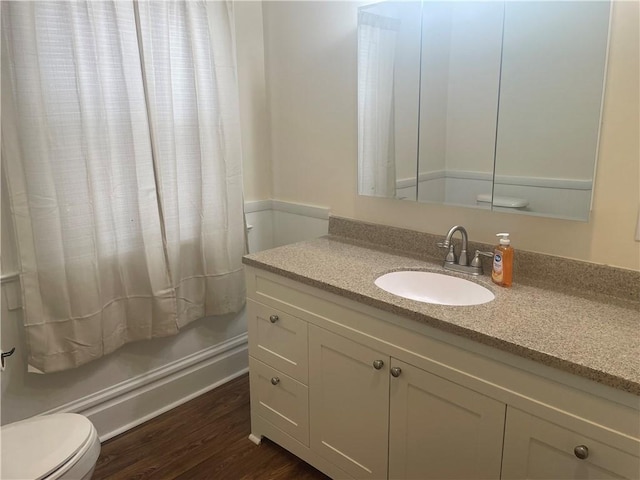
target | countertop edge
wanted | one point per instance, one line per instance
(598, 376)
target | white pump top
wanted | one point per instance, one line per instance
(504, 238)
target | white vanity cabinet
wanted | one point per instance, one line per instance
(366, 407)
(441, 430)
(362, 393)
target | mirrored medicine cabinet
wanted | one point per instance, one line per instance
(483, 104)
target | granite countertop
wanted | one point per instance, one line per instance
(594, 337)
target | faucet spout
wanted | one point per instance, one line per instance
(461, 264)
(463, 259)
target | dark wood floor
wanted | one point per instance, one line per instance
(206, 438)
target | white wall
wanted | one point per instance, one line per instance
(256, 135)
(310, 54)
(310, 50)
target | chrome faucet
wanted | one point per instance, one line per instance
(451, 254)
(461, 263)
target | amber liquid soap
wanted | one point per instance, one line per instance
(502, 273)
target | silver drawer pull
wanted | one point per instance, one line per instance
(274, 318)
(275, 380)
(396, 371)
(581, 451)
(378, 364)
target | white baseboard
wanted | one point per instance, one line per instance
(128, 404)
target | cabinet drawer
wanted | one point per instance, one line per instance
(278, 339)
(537, 448)
(280, 400)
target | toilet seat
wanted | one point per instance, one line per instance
(48, 446)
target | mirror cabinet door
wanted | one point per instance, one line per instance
(481, 103)
(551, 91)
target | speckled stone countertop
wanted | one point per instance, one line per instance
(594, 336)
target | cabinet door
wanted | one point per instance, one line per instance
(348, 404)
(441, 430)
(539, 449)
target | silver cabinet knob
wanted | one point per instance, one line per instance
(275, 380)
(581, 451)
(274, 318)
(396, 371)
(378, 364)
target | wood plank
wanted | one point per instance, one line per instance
(204, 438)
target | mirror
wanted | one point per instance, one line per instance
(388, 89)
(509, 97)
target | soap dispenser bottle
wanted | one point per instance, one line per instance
(502, 273)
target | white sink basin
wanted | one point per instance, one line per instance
(435, 288)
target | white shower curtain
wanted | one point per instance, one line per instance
(194, 116)
(89, 142)
(377, 38)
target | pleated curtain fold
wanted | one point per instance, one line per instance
(193, 110)
(121, 150)
(377, 41)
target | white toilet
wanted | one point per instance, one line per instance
(49, 447)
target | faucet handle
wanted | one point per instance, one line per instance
(476, 258)
(451, 254)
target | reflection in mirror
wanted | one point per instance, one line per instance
(551, 93)
(388, 88)
(461, 50)
(509, 97)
